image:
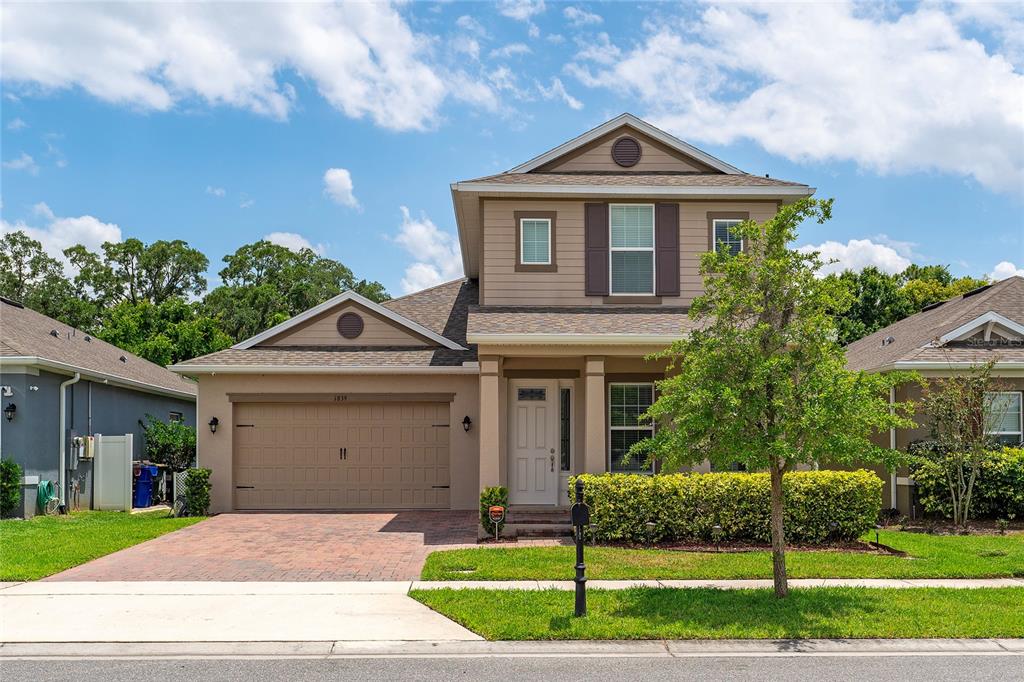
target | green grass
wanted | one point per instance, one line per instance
(653, 613)
(45, 545)
(930, 556)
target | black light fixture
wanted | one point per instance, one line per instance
(467, 423)
(9, 411)
(213, 424)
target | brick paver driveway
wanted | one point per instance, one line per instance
(289, 547)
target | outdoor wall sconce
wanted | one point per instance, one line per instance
(467, 423)
(9, 411)
(213, 424)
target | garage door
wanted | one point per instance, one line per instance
(386, 455)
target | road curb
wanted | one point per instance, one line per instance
(470, 649)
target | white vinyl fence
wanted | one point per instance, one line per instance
(112, 473)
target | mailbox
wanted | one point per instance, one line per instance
(580, 514)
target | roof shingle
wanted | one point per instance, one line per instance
(635, 179)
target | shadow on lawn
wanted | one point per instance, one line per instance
(798, 615)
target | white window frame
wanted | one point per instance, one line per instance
(175, 416)
(714, 231)
(522, 238)
(612, 249)
(1020, 415)
(638, 427)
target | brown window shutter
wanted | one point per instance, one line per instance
(595, 240)
(666, 249)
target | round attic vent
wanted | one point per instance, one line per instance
(350, 325)
(626, 152)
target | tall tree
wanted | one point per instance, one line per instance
(163, 333)
(31, 276)
(876, 301)
(762, 380)
(132, 271)
(265, 284)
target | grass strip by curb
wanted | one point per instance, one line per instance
(929, 556)
(664, 613)
(35, 548)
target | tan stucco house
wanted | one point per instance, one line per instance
(982, 326)
(578, 263)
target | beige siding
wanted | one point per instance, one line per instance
(505, 286)
(597, 156)
(323, 331)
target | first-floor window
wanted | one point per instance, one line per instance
(626, 402)
(1003, 417)
(176, 417)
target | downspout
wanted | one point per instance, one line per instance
(892, 446)
(61, 474)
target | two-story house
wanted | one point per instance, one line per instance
(578, 264)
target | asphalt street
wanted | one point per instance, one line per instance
(977, 668)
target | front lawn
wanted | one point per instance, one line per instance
(653, 613)
(930, 556)
(45, 545)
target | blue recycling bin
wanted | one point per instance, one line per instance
(144, 486)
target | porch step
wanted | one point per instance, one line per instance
(538, 522)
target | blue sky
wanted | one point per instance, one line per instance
(341, 126)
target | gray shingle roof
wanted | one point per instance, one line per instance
(578, 320)
(913, 336)
(635, 179)
(26, 333)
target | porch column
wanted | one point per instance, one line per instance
(490, 427)
(594, 455)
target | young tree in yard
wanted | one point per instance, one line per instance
(963, 410)
(762, 380)
(170, 443)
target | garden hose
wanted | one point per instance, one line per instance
(46, 497)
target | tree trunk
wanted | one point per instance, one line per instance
(778, 534)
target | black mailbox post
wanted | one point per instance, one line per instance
(580, 518)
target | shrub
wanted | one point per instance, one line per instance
(170, 443)
(820, 506)
(10, 486)
(496, 495)
(998, 488)
(197, 491)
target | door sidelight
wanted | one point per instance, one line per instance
(342, 453)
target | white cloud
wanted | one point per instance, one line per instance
(466, 45)
(581, 17)
(437, 254)
(16, 124)
(557, 91)
(555, 38)
(23, 162)
(57, 233)
(294, 242)
(362, 57)
(1005, 269)
(218, 192)
(470, 24)
(856, 255)
(338, 186)
(600, 50)
(511, 49)
(246, 202)
(521, 10)
(533, 31)
(830, 81)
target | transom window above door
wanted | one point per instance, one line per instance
(535, 236)
(632, 248)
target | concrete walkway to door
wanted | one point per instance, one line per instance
(289, 547)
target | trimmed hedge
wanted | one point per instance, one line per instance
(820, 506)
(197, 491)
(998, 489)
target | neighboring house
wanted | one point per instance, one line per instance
(578, 264)
(106, 390)
(945, 339)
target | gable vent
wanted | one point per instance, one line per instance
(350, 325)
(626, 152)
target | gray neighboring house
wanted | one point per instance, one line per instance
(113, 392)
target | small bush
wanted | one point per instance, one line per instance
(820, 506)
(10, 486)
(496, 495)
(170, 443)
(998, 488)
(197, 491)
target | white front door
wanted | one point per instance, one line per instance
(533, 442)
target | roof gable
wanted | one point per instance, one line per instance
(985, 325)
(326, 328)
(338, 302)
(596, 156)
(618, 126)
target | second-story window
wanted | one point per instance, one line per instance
(726, 237)
(632, 248)
(535, 236)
